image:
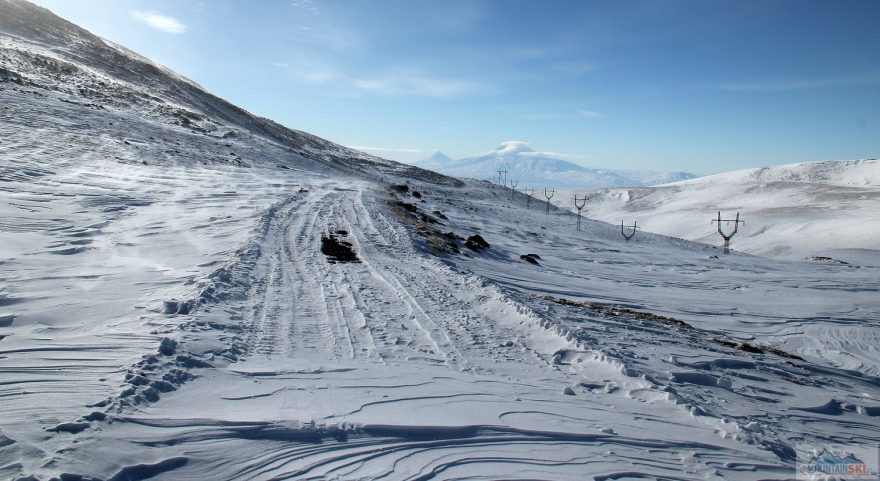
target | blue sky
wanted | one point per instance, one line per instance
(702, 86)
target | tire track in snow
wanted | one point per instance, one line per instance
(396, 305)
(289, 316)
(381, 260)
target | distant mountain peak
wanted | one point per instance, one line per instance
(513, 147)
(439, 157)
(542, 168)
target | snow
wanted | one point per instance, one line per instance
(166, 312)
(797, 211)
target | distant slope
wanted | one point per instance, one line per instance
(800, 210)
(540, 169)
(39, 49)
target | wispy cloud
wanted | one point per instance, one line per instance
(557, 155)
(159, 21)
(327, 37)
(281, 65)
(799, 84)
(306, 5)
(385, 149)
(319, 77)
(406, 82)
(560, 115)
(589, 113)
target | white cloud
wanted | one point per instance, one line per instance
(412, 83)
(524, 149)
(589, 113)
(281, 64)
(385, 149)
(307, 5)
(159, 22)
(319, 76)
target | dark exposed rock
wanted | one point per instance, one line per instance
(408, 207)
(337, 250)
(531, 258)
(476, 243)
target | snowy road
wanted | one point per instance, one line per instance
(405, 365)
(402, 368)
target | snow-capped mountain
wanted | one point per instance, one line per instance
(437, 158)
(812, 209)
(540, 169)
(191, 292)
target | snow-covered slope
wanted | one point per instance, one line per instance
(538, 169)
(813, 209)
(174, 305)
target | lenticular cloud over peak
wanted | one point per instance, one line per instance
(514, 147)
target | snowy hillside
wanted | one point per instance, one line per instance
(539, 169)
(190, 292)
(814, 209)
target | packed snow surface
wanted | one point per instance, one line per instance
(174, 304)
(799, 211)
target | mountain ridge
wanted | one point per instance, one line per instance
(174, 97)
(530, 167)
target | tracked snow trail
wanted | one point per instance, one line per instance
(306, 308)
(393, 305)
(399, 367)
